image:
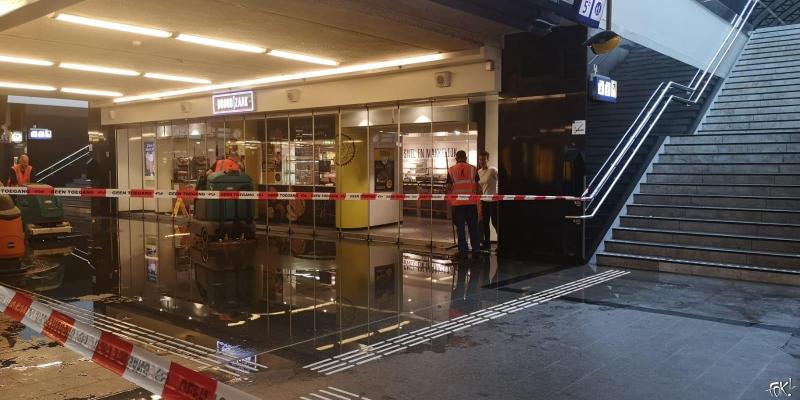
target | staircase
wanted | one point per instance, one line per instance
(638, 74)
(725, 202)
(77, 206)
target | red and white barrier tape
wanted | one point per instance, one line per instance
(256, 195)
(138, 366)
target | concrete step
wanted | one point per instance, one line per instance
(748, 110)
(760, 147)
(735, 138)
(774, 31)
(789, 125)
(763, 81)
(737, 179)
(722, 189)
(790, 52)
(726, 168)
(706, 239)
(781, 230)
(749, 99)
(715, 213)
(771, 66)
(754, 202)
(753, 158)
(775, 115)
(761, 259)
(693, 267)
(745, 75)
(770, 48)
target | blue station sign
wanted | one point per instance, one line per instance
(603, 88)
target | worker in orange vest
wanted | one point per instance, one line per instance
(463, 178)
(20, 172)
(228, 165)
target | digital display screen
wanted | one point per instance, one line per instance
(604, 89)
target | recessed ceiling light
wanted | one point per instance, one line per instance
(285, 78)
(112, 25)
(15, 85)
(96, 68)
(177, 78)
(29, 61)
(220, 43)
(91, 92)
(302, 57)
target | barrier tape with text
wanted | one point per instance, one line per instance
(136, 365)
(257, 195)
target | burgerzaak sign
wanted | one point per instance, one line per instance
(235, 102)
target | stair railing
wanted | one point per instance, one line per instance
(649, 116)
(70, 159)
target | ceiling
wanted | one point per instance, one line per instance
(348, 31)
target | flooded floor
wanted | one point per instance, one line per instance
(326, 319)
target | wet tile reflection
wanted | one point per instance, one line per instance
(318, 296)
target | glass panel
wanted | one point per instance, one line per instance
(135, 165)
(277, 169)
(164, 162)
(452, 132)
(253, 156)
(123, 171)
(325, 130)
(300, 213)
(352, 172)
(424, 172)
(384, 215)
(181, 158)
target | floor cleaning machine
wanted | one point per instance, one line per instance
(12, 237)
(43, 216)
(218, 220)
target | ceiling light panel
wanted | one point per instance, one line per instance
(177, 78)
(97, 68)
(26, 86)
(220, 43)
(92, 92)
(302, 57)
(96, 23)
(22, 60)
(285, 78)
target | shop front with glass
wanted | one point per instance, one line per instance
(385, 148)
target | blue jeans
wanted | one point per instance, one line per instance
(467, 215)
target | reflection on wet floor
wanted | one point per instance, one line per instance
(316, 297)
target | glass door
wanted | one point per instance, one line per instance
(352, 216)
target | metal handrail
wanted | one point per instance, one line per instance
(73, 161)
(637, 126)
(63, 159)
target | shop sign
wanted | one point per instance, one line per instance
(16, 137)
(40, 134)
(236, 102)
(430, 152)
(604, 89)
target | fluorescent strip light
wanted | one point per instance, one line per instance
(29, 61)
(96, 23)
(177, 78)
(302, 57)
(95, 68)
(284, 78)
(220, 43)
(90, 92)
(11, 5)
(14, 85)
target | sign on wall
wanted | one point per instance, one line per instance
(603, 89)
(236, 102)
(40, 134)
(590, 12)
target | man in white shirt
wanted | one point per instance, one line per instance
(488, 183)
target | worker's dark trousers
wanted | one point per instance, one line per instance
(467, 215)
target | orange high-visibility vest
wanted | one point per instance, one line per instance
(225, 166)
(463, 177)
(23, 177)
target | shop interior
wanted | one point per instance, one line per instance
(398, 148)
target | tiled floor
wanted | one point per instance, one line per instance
(633, 336)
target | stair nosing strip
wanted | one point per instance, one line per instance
(714, 234)
(713, 221)
(703, 248)
(703, 263)
(715, 208)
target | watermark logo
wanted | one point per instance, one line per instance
(781, 389)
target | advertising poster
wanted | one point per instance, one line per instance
(149, 159)
(151, 258)
(384, 170)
